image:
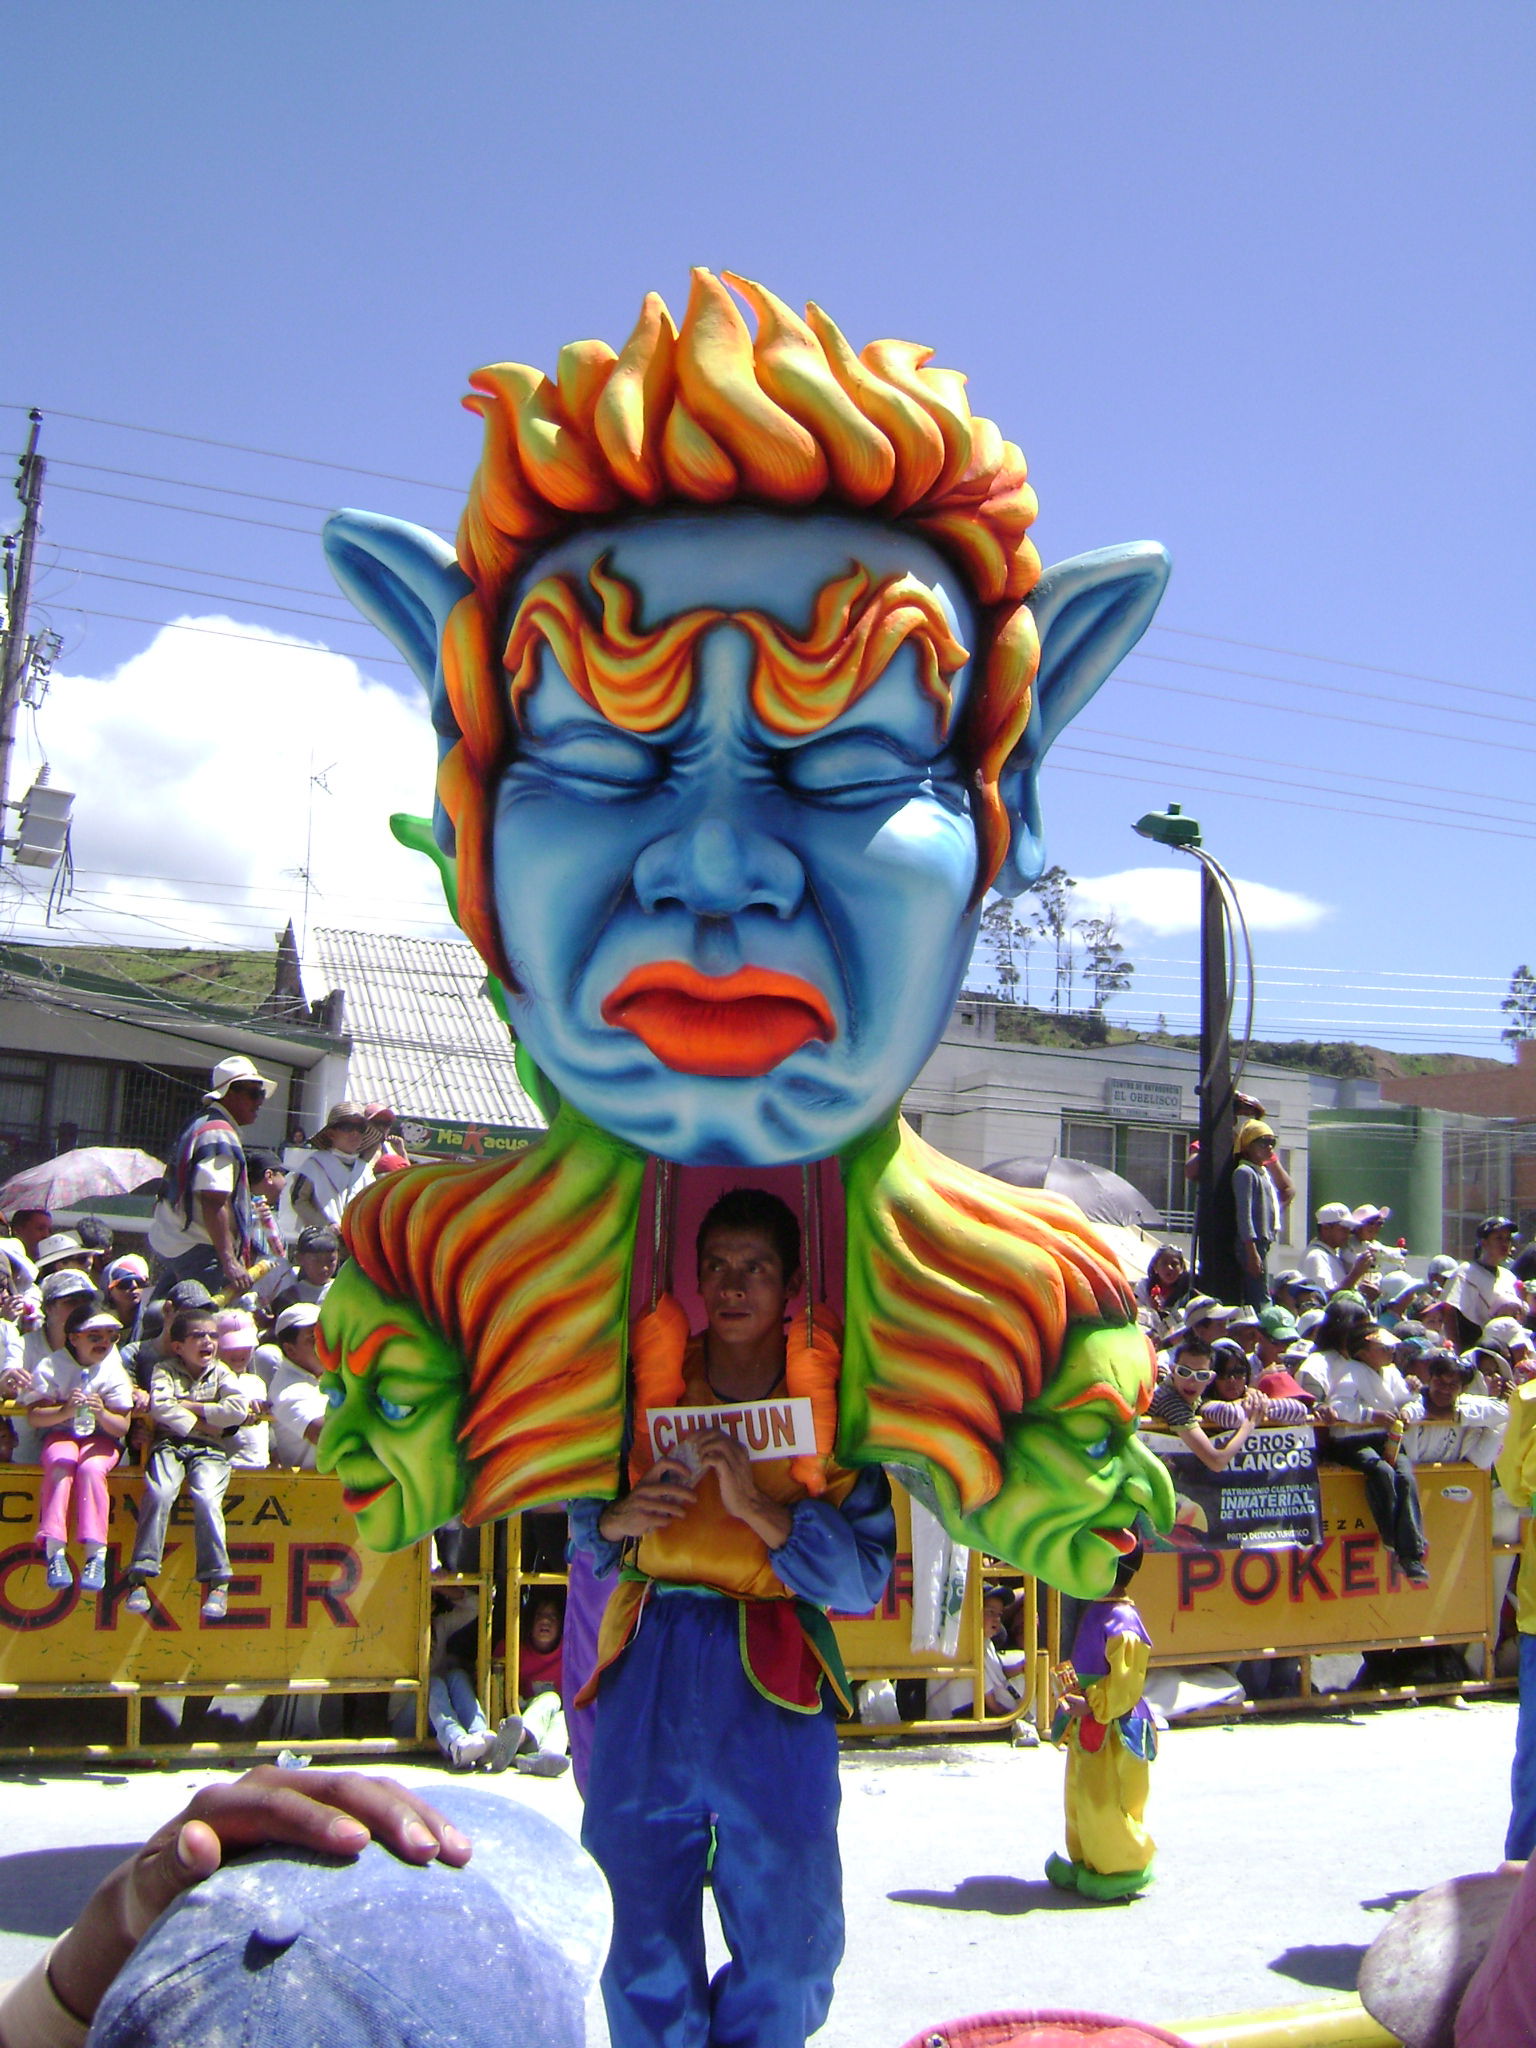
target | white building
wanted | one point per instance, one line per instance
(1131, 1108)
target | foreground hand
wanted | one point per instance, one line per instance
(664, 1495)
(739, 1492)
(336, 1811)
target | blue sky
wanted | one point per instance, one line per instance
(1254, 281)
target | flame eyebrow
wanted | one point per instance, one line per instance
(1102, 1391)
(363, 1357)
(642, 681)
(800, 685)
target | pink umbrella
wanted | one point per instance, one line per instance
(85, 1175)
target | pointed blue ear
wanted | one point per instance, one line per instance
(406, 581)
(401, 577)
(1089, 611)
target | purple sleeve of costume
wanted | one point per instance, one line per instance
(603, 1558)
(841, 1557)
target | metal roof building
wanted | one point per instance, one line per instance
(425, 1037)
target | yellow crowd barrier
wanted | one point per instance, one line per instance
(313, 1612)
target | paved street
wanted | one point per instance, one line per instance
(1281, 1848)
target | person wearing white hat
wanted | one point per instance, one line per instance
(297, 1406)
(203, 1227)
(1330, 1259)
(61, 1248)
(1368, 1220)
(335, 1171)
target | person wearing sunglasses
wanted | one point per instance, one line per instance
(1176, 1403)
(335, 1171)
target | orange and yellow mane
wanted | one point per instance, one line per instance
(713, 415)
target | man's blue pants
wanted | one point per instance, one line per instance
(684, 1743)
(1521, 1839)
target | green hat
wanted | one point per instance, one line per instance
(1279, 1325)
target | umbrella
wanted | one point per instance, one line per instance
(85, 1175)
(1102, 1196)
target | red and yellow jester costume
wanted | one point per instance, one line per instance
(714, 1732)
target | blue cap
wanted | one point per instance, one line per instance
(287, 1948)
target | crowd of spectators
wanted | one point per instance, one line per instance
(1393, 1369)
(198, 1359)
(202, 1360)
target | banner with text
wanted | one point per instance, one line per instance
(1266, 1499)
(306, 1599)
(1344, 1592)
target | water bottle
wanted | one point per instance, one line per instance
(84, 1424)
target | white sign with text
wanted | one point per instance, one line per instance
(765, 1429)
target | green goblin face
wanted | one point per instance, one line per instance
(1075, 1475)
(396, 1391)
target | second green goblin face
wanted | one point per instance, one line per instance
(396, 1391)
(1075, 1475)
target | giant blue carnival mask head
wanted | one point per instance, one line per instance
(742, 675)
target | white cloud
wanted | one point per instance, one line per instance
(1166, 900)
(192, 762)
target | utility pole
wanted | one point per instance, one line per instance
(18, 591)
(1218, 1270)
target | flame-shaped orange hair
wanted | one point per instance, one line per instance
(960, 1292)
(714, 415)
(524, 1268)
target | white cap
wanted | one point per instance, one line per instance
(303, 1315)
(1336, 1212)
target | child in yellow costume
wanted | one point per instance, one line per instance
(1110, 1739)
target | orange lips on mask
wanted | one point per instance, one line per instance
(729, 1026)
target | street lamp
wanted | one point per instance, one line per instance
(1215, 1257)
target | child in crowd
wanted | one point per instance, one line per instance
(60, 1293)
(953, 1699)
(251, 1445)
(458, 1720)
(125, 1282)
(194, 1401)
(80, 1401)
(1110, 1739)
(542, 1752)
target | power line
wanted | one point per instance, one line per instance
(192, 569)
(266, 604)
(214, 633)
(182, 483)
(1371, 668)
(236, 447)
(1271, 761)
(1459, 739)
(1417, 804)
(1293, 803)
(1397, 703)
(193, 511)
